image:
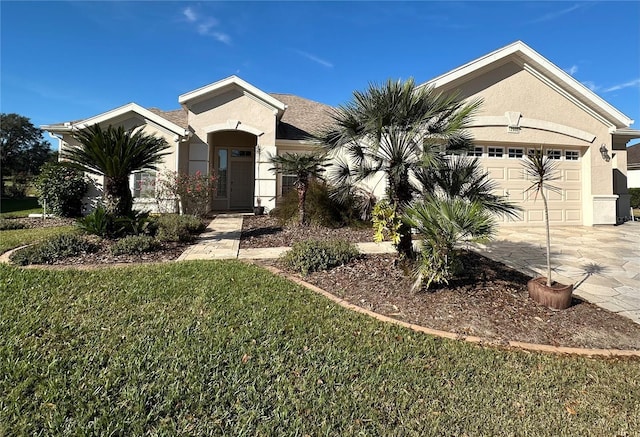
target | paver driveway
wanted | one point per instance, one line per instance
(602, 261)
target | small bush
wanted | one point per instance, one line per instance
(321, 208)
(312, 256)
(173, 227)
(134, 244)
(55, 248)
(635, 197)
(9, 225)
(62, 189)
(99, 223)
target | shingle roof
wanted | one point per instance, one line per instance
(303, 117)
(176, 116)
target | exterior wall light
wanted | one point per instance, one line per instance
(605, 153)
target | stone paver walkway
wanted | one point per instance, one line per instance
(602, 262)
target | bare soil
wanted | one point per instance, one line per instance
(489, 300)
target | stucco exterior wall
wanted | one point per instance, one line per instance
(234, 111)
(557, 121)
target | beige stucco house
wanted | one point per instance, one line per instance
(230, 128)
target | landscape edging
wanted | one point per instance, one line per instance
(534, 347)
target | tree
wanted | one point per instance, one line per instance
(395, 129)
(115, 153)
(541, 171)
(22, 149)
(305, 167)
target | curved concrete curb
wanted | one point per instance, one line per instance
(450, 335)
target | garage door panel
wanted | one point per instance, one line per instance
(515, 174)
(571, 175)
(496, 173)
(573, 216)
(572, 195)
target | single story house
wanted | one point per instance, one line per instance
(230, 128)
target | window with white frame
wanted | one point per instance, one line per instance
(495, 152)
(571, 155)
(476, 151)
(554, 154)
(144, 184)
(515, 152)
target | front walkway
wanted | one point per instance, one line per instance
(602, 262)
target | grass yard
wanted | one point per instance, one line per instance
(19, 207)
(213, 348)
(18, 237)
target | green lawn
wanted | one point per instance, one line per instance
(212, 348)
(18, 237)
(19, 207)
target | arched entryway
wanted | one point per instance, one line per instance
(232, 160)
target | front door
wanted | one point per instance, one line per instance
(241, 184)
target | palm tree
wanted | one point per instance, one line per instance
(305, 167)
(541, 171)
(394, 129)
(463, 177)
(115, 153)
(445, 223)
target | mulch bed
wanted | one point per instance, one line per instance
(490, 300)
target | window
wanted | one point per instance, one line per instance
(554, 154)
(516, 152)
(144, 184)
(476, 151)
(455, 153)
(240, 153)
(495, 152)
(221, 190)
(571, 155)
(288, 182)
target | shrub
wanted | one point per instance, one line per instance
(134, 244)
(99, 223)
(55, 248)
(635, 197)
(173, 227)
(61, 188)
(312, 256)
(9, 225)
(321, 208)
(193, 191)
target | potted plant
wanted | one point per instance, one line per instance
(541, 171)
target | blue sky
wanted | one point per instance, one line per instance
(63, 61)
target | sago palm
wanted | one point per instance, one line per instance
(305, 167)
(394, 129)
(115, 153)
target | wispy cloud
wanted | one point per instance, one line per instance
(631, 84)
(206, 26)
(572, 70)
(556, 14)
(314, 58)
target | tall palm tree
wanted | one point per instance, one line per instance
(463, 177)
(115, 153)
(541, 171)
(305, 167)
(394, 129)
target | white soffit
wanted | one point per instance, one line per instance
(525, 55)
(224, 84)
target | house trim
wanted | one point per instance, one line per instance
(499, 120)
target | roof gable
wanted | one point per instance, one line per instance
(543, 69)
(115, 113)
(231, 82)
